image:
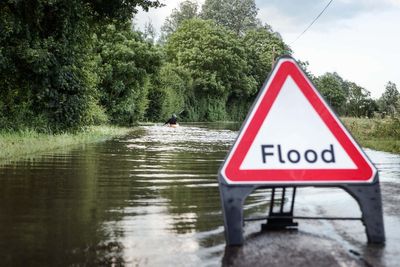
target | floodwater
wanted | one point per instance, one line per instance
(151, 199)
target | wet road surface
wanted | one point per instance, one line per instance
(328, 243)
(151, 199)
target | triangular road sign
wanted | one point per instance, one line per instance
(291, 136)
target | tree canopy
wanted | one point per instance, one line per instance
(68, 64)
(238, 16)
(262, 47)
(389, 103)
(333, 88)
(215, 59)
(48, 74)
(126, 61)
(187, 10)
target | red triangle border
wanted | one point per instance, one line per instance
(287, 67)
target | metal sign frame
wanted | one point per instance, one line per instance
(368, 197)
(233, 195)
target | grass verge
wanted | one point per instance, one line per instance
(378, 134)
(27, 142)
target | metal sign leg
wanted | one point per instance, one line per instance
(368, 196)
(233, 198)
(369, 199)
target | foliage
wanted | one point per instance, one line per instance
(68, 64)
(332, 87)
(389, 102)
(187, 9)
(44, 66)
(359, 102)
(126, 61)
(238, 16)
(167, 92)
(149, 33)
(25, 142)
(378, 134)
(217, 64)
(304, 66)
(47, 74)
(117, 9)
(262, 48)
(237, 108)
(345, 97)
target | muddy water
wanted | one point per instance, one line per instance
(148, 199)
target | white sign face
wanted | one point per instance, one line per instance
(292, 136)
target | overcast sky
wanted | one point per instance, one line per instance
(359, 39)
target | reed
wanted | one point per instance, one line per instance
(14, 144)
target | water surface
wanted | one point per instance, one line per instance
(147, 199)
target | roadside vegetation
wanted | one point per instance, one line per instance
(68, 65)
(378, 134)
(28, 142)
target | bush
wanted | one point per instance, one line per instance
(126, 61)
(168, 92)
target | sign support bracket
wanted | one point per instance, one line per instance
(368, 197)
(280, 219)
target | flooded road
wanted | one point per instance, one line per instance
(151, 199)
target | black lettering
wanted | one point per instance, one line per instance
(313, 158)
(264, 153)
(291, 152)
(328, 153)
(280, 154)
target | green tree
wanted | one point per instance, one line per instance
(187, 10)
(236, 15)
(262, 46)
(168, 92)
(216, 61)
(121, 10)
(126, 61)
(45, 76)
(359, 102)
(334, 89)
(304, 66)
(389, 101)
(149, 32)
(47, 67)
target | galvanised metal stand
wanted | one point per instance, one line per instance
(280, 219)
(368, 197)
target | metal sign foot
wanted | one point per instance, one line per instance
(232, 204)
(369, 199)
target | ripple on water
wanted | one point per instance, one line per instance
(388, 165)
(148, 199)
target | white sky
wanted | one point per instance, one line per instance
(359, 39)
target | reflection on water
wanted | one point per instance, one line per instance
(150, 198)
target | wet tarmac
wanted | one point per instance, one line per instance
(324, 242)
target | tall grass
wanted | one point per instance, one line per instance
(379, 134)
(14, 144)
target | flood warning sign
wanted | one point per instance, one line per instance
(292, 136)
